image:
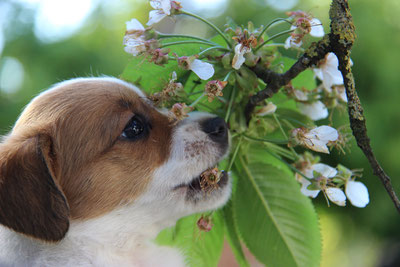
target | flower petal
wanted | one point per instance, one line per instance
(325, 170)
(300, 95)
(134, 46)
(331, 69)
(323, 133)
(155, 4)
(317, 30)
(304, 184)
(239, 59)
(341, 93)
(336, 195)
(357, 193)
(155, 16)
(317, 145)
(202, 69)
(315, 111)
(328, 72)
(291, 43)
(270, 108)
(134, 25)
(166, 6)
(318, 72)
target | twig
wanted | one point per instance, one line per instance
(342, 37)
(339, 41)
(275, 81)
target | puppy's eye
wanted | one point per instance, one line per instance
(135, 129)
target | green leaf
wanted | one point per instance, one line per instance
(199, 248)
(232, 235)
(294, 117)
(258, 154)
(278, 224)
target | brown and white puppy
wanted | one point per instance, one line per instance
(91, 172)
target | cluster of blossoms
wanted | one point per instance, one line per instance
(242, 52)
(246, 41)
(309, 102)
(331, 88)
(303, 24)
(321, 177)
(138, 40)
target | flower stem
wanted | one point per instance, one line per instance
(273, 144)
(266, 140)
(186, 42)
(212, 48)
(195, 84)
(287, 164)
(280, 150)
(273, 23)
(197, 100)
(195, 93)
(235, 154)
(283, 45)
(228, 112)
(285, 135)
(272, 38)
(209, 24)
(164, 36)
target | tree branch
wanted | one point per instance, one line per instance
(339, 41)
(275, 81)
(342, 37)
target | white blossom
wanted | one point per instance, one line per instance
(328, 72)
(134, 40)
(336, 195)
(323, 169)
(315, 139)
(162, 8)
(270, 108)
(202, 69)
(290, 42)
(300, 95)
(135, 26)
(319, 137)
(357, 193)
(295, 39)
(316, 28)
(340, 92)
(315, 110)
(239, 59)
(307, 192)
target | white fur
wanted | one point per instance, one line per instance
(124, 236)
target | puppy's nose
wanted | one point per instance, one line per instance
(216, 128)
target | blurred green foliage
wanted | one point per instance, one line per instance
(352, 236)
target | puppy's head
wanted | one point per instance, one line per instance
(87, 147)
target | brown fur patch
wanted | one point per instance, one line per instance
(30, 200)
(95, 168)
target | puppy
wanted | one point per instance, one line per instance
(92, 171)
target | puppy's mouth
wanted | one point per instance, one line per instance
(200, 184)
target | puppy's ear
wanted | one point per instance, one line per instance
(31, 202)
